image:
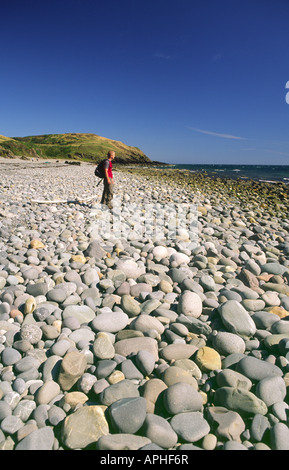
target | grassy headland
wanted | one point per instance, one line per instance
(76, 146)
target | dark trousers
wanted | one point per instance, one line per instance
(107, 194)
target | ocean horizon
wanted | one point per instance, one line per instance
(262, 173)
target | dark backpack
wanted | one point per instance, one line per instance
(99, 170)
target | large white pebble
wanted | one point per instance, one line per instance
(190, 304)
(160, 252)
(179, 258)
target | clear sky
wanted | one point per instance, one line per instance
(186, 81)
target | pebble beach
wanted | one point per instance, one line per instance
(116, 341)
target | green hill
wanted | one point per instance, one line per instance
(86, 147)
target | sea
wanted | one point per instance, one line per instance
(265, 173)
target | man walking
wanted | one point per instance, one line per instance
(107, 194)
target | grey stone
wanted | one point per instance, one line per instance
(145, 362)
(236, 319)
(10, 356)
(131, 306)
(129, 346)
(123, 289)
(95, 250)
(49, 332)
(31, 332)
(253, 305)
(82, 313)
(24, 409)
(39, 288)
(56, 415)
(26, 363)
(151, 304)
(30, 273)
(271, 390)
(280, 327)
(47, 392)
(230, 425)
(228, 343)
(86, 382)
(72, 276)
(234, 445)
(182, 397)
(82, 334)
(11, 424)
(51, 367)
(145, 323)
(122, 441)
(71, 322)
(256, 369)
(128, 414)
(190, 304)
(240, 400)
(110, 321)
(151, 447)
(137, 289)
(130, 268)
(5, 410)
(259, 426)
(130, 371)
(280, 410)
(41, 313)
(104, 368)
(178, 351)
(264, 320)
(42, 439)
(191, 426)
(273, 268)
(159, 431)
(189, 366)
(90, 276)
(195, 325)
(40, 414)
(232, 378)
(279, 435)
(207, 282)
(118, 391)
(57, 294)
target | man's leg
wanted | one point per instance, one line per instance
(103, 198)
(110, 195)
(107, 194)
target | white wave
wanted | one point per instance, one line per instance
(268, 181)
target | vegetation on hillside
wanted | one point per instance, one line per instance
(86, 147)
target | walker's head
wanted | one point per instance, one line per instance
(111, 154)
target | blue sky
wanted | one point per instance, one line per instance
(186, 81)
